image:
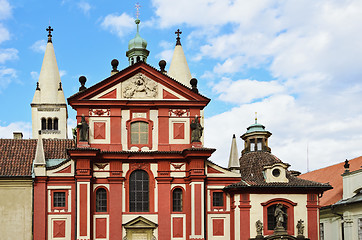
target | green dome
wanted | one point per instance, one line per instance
(137, 42)
(256, 127)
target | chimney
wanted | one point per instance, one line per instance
(18, 135)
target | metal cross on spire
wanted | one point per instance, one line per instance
(137, 6)
(178, 32)
(49, 29)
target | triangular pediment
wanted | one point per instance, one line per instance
(138, 82)
(214, 170)
(140, 222)
(138, 87)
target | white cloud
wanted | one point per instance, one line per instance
(245, 90)
(62, 73)
(7, 75)
(39, 46)
(7, 130)
(312, 51)
(8, 54)
(118, 24)
(84, 6)
(167, 53)
(5, 9)
(4, 34)
(72, 123)
(293, 127)
(34, 75)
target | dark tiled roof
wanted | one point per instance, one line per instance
(17, 155)
(251, 169)
(55, 148)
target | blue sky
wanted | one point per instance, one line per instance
(295, 62)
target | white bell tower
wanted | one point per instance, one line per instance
(49, 109)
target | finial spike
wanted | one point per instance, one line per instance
(49, 29)
(256, 117)
(137, 6)
(178, 32)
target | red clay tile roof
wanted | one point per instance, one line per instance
(333, 175)
(17, 155)
(251, 169)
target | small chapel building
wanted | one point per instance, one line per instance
(138, 168)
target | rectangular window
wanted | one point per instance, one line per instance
(321, 231)
(139, 133)
(259, 144)
(252, 145)
(59, 199)
(217, 199)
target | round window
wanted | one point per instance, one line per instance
(276, 172)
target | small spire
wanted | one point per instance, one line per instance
(234, 163)
(178, 32)
(256, 117)
(49, 29)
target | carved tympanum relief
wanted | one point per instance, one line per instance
(140, 86)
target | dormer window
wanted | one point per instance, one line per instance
(276, 173)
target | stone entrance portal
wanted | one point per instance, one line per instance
(140, 228)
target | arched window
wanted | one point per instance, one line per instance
(138, 59)
(138, 191)
(55, 123)
(50, 124)
(177, 200)
(101, 200)
(43, 124)
(139, 132)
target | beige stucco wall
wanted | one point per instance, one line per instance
(16, 209)
(256, 211)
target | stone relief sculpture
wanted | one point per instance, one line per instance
(139, 86)
(83, 130)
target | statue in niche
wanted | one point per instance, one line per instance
(140, 87)
(300, 227)
(83, 130)
(259, 228)
(279, 216)
(197, 129)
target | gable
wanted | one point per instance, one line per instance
(138, 87)
(138, 82)
(214, 170)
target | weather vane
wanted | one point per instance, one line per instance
(137, 6)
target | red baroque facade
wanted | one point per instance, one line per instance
(137, 175)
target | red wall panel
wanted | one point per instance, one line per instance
(178, 229)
